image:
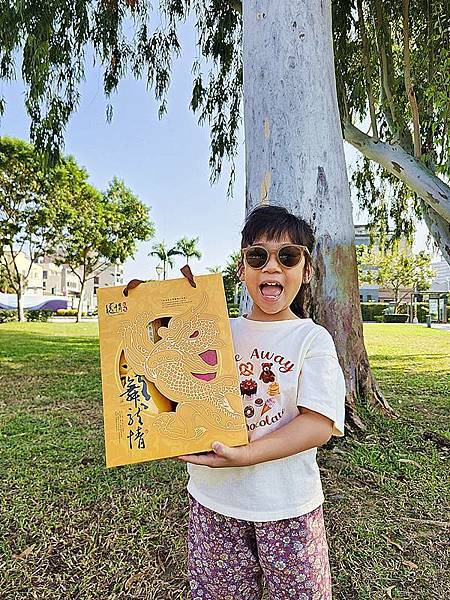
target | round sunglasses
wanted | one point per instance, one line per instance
(288, 255)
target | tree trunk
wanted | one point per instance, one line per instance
(20, 310)
(434, 192)
(295, 158)
(80, 303)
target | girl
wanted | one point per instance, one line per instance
(256, 510)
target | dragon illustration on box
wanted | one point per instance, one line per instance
(184, 367)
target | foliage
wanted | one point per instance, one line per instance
(97, 229)
(232, 283)
(188, 248)
(26, 195)
(5, 285)
(423, 310)
(124, 36)
(395, 318)
(385, 490)
(370, 311)
(395, 269)
(165, 255)
(38, 315)
(392, 64)
(7, 315)
(67, 312)
(393, 68)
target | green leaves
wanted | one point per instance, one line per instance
(126, 37)
(98, 228)
(398, 269)
(188, 248)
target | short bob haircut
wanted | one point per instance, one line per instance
(273, 223)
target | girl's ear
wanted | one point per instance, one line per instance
(308, 273)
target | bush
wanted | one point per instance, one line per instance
(379, 318)
(233, 310)
(7, 315)
(395, 318)
(67, 312)
(38, 315)
(422, 311)
(369, 310)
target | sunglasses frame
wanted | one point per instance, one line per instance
(273, 251)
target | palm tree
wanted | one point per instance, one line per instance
(187, 248)
(216, 269)
(165, 256)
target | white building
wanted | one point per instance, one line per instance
(441, 281)
(46, 278)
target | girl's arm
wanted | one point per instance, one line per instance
(308, 430)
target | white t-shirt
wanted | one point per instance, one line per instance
(282, 365)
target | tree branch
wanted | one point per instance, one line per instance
(366, 60)
(434, 191)
(408, 83)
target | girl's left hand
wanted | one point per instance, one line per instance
(221, 456)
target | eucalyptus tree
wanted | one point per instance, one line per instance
(165, 255)
(393, 70)
(188, 248)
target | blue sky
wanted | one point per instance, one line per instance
(164, 162)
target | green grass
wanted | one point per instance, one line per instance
(70, 529)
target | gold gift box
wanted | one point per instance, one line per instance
(169, 379)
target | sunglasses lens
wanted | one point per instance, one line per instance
(290, 256)
(256, 257)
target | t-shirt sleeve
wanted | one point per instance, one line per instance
(322, 383)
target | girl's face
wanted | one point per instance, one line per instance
(274, 287)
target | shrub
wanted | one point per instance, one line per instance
(379, 318)
(233, 310)
(38, 315)
(67, 312)
(422, 311)
(395, 318)
(369, 310)
(7, 315)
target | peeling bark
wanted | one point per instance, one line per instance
(286, 46)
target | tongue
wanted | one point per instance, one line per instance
(271, 291)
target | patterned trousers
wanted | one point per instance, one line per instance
(228, 559)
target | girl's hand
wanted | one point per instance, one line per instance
(221, 456)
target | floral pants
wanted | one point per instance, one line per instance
(228, 559)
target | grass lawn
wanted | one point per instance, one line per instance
(72, 530)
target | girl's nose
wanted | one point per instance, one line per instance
(272, 264)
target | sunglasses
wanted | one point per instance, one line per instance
(288, 255)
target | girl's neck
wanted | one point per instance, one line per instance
(256, 314)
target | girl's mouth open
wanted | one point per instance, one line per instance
(271, 291)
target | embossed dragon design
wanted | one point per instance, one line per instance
(184, 365)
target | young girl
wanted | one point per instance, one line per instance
(256, 510)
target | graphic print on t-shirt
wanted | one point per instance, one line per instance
(261, 376)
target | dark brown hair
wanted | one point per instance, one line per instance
(273, 222)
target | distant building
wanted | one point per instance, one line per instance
(441, 281)
(49, 279)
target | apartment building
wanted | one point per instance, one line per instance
(50, 279)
